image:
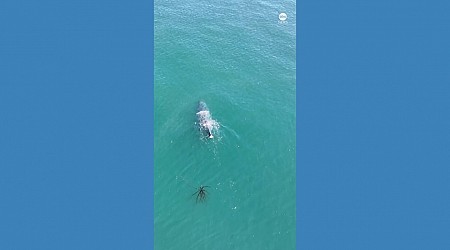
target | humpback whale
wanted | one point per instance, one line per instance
(205, 120)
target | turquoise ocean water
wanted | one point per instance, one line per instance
(240, 59)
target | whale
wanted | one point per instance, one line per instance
(205, 120)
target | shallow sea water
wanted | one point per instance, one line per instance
(239, 59)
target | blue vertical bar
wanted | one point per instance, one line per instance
(76, 124)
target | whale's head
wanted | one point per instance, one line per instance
(202, 106)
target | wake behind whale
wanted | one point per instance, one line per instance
(205, 121)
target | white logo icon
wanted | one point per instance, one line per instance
(282, 16)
